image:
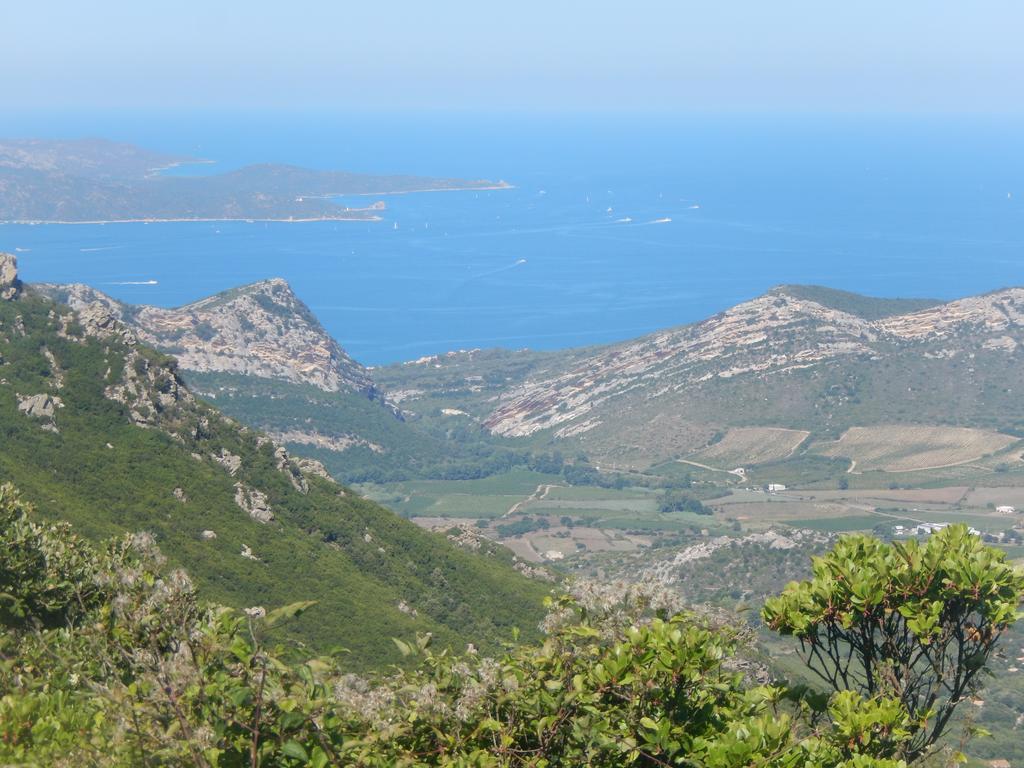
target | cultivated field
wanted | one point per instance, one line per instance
(900, 448)
(744, 446)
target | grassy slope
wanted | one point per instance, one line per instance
(409, 449)
(315, 549)
(868, 307)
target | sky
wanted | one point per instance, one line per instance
(895, 56)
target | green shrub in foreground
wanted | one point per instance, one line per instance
(120, 666)
(913, 622)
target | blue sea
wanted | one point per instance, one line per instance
(616, 226)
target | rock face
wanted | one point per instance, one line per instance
(290, 469)
(152, 391)
(228, 460)
(773, 334)
(313, 467)
(43, 407)
(253, 502)
(260, 330)
(336, 443)
(10, 285)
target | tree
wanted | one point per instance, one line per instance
(914, 623)
(136, 672)
(680, 501)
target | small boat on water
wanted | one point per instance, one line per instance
(664, 220)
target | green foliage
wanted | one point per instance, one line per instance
(106, 476)
(521, 526)
(148, 677)
(914, 622)
(868, 307)
(678, 501)
(44, 570)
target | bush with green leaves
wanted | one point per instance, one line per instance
(121, 666)
(916, 623)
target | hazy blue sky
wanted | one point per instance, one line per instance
(868, 55)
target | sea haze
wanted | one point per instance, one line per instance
(925, 207)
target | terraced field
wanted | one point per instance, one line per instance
(744, 446)
(902, 448)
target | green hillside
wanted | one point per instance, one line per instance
(362, 439)
(868, 307)
(148, 464)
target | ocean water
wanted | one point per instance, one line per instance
(719, 209)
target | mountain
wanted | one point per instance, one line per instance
(263, 357)
(260, 330)
(811, 360)
(99, 429)
(96, 180)
(803, 374)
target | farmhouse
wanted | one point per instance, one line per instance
(775, 487)
(926, 529)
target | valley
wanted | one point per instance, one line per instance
(740, 446)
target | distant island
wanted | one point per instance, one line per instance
(98, 181)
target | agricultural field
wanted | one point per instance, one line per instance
(488, 498)
(864, 510)
(901, 448)
(543, 519)
(744, 446)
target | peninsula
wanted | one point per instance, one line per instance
(93, 181)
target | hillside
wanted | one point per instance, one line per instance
(95, 180)
(802, 375)
(99, 429)
(263, 357)
(801, 358)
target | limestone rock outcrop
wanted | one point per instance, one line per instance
(260, 330)
(772, 334)
(10, 285)
(43, 407)
(253, 502)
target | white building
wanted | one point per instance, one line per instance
(927, 528)
(1006, 509)
(775, 487)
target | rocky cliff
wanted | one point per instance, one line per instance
(771, 335)
(260, 330)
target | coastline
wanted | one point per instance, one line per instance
(154, 172)
(32, 222)
(293, 220)
(498, 186)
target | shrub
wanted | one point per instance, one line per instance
(916, 623)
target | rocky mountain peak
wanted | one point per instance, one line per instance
(10, 285)
(262, 329)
